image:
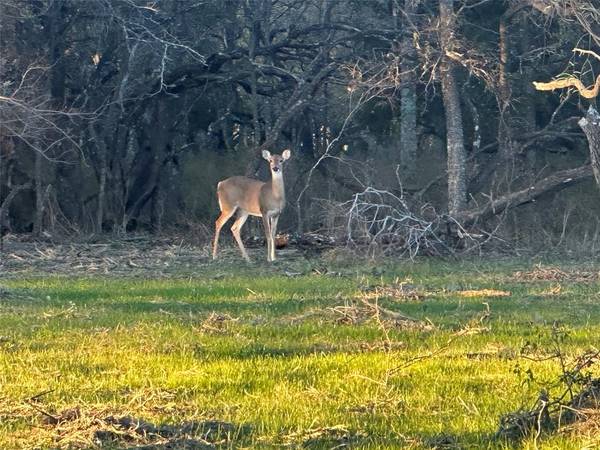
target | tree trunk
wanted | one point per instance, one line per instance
(101, 149)
(408, 96)
(55, 25)
(527, 108)
(254, 38)
(590, 124)
(39, 193)
(504, 92)
(101, 187)
(457, 184)
(5, 208)
(157, 209)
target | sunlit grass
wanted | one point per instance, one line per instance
(264, 351)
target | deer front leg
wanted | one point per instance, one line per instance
(274, 220)
(267, 225)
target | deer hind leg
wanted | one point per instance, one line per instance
(273, 227)
(236, 229)
(267, 225)
(224, 217)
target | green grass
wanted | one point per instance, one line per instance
(265, 352)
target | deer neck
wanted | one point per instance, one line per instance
(277, 187)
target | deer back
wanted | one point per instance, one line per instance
(241, 192)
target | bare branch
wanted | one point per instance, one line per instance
(568, 82)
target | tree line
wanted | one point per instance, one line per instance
(120, 115)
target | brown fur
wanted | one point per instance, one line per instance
(253, 197)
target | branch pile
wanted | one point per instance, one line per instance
(383, 223)
(577, 405)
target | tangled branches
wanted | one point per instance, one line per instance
(566, 405)
(383, 223)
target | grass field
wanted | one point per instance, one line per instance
(256, 356)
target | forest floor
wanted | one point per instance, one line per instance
(135, 344)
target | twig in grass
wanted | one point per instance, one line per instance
(380, 310)
(51, 418)
(38, 396)
(468, 329)
(429, 355)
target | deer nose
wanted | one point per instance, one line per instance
(275, 169)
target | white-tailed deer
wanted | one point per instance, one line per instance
(254, 198)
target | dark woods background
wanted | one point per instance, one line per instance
(122, 115)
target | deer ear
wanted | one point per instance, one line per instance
(266, 154)
(286, 154)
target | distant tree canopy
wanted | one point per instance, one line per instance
(119, 115)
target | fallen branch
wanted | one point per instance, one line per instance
(552, 183)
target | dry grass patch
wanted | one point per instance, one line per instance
(217, 323)
(474, 293)
(400, 291)
(543, 273)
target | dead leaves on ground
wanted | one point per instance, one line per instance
(86, 426)
(548, 273)
(406, 291)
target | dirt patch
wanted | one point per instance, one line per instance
(125, 256)
(135, 255)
